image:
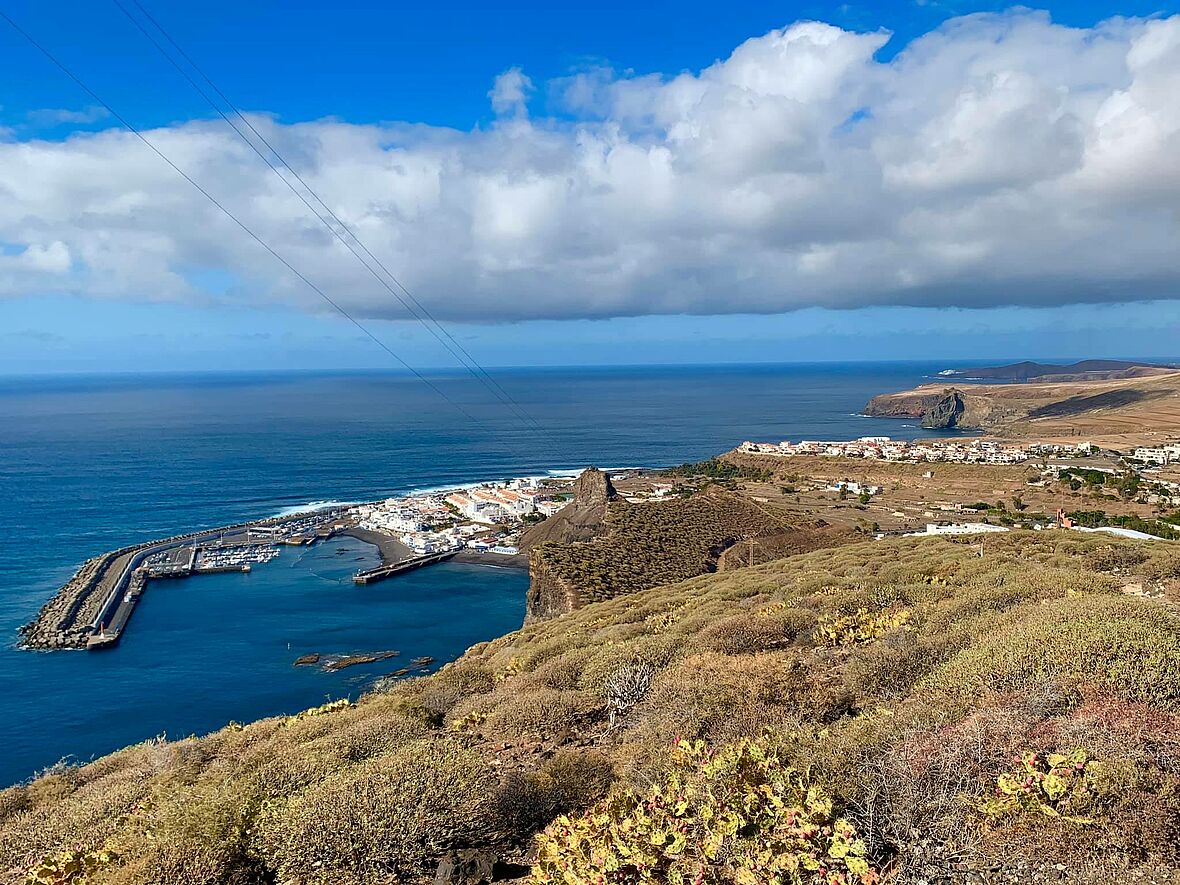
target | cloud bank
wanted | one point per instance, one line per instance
(999, 160)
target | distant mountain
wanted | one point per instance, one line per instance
(1084, 370)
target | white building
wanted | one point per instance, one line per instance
(959, 528)
(1152, 456)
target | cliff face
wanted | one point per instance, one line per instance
(583, 519)
(912, 404)
(549, 595)
(937, 409)
(1121, 410)
(946, 413)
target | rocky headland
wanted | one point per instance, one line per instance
(1122, 409)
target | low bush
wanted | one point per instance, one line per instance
(740, 814)
(568, 781)
(1053, 784)
(863, 626)
(907, 726)
(1118, 644)
(540, 712)
(752, 632)
(384, 819)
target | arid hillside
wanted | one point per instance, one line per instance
(1119, 412)
(899, 711)
(643, 545)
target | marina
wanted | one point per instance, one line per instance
(92, 610)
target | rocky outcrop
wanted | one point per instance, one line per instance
(582, 519)
(946, 413)
(549, 594)
(901, 405)
(938, 409)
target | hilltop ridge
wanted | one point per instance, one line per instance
(1082, 370)
(1119, 410)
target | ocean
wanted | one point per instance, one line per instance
(92, 463)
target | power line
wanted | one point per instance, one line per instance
(139, 135)
(413, 306)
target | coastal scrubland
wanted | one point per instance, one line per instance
(903, 710)
(646, 544)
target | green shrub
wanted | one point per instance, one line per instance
(722, 698)
(736, 815)
(1122, 645)
(73, 866)
(1053, 784)
(437, 694)
(1108, 558)
(569, 780)
(752, 632)
(863, 626)
(889, 669)
(384, 819)
(655, 651)
(540, 712)
(563, 671)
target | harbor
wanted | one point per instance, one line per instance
(92, 610)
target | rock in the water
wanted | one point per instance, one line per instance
(339, 663)
(303, 660)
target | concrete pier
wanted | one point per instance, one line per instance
(406, 565)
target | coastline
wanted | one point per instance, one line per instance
(494, 560)
(392, 550)
(64, 620)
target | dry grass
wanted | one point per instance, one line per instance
(656, 543)
(1031, 647)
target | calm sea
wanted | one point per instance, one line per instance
(89, 464)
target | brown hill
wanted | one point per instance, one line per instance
(660, 542)
(895, 697)
(1084, 370)
(1119, 412)
(581, 519)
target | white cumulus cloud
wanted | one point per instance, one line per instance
(1000, 159)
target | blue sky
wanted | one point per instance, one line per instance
(773, 235)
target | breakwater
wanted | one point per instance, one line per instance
(371, 576)
(92, 608)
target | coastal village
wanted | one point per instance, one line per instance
(946, 485)
(944, 480)
(883, 448)
(480, 518)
